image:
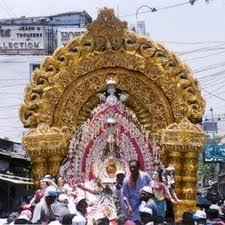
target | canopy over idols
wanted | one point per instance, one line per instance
(62, 93)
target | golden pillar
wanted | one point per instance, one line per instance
(175, 158)
(182, 143)
(47, 147)
(189, 179)
(54, 163)
(38, 168)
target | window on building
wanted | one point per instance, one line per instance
(33, 66)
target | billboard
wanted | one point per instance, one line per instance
(67, 33)
(21, 39)
(210, 126)
(214, 150)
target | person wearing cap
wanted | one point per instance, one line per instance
(43, 212)
(130, 190)
(81, 208)
(147, 196)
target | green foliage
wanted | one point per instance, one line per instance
(206, 169)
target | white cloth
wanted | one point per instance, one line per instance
(214, 206)
(71, 205)
(199, 214)
(37, 212)
(55, 222)
(23, 217)
(3, 221)
(79, 219)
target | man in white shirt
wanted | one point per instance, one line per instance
(43, 213)
(81, 208)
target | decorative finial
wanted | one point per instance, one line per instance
(111, 81)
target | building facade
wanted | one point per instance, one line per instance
(40, 35)
(15, 183)
(24, 42)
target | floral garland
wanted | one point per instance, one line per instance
(114, 124)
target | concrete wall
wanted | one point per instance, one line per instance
(15, 73)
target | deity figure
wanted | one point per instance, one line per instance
(111, 168)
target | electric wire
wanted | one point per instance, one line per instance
(203, 57)
(194, 43)
(215, 90)
(210, 76)
(210, 67)
(157, 9)
(12, 85)
(213, 83)
(222, 99)
(208, 97)
(203, 49)
(6, 118)
(8, 106)
(7, 7)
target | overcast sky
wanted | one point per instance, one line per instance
(185, 28)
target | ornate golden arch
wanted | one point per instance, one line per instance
(63, 91)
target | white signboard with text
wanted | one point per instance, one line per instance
(67, 33)
(21, 38)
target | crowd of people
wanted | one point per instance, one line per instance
(142, 199)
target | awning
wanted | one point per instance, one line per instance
(15, 179)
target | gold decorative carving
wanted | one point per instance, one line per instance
(39, 168)
(182, 142)
(54, 163)
(45, 140)
(184, 135)
(47, 146)
(108, 43)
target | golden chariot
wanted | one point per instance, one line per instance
(154, 108)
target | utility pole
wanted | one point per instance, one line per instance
(212, 118)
